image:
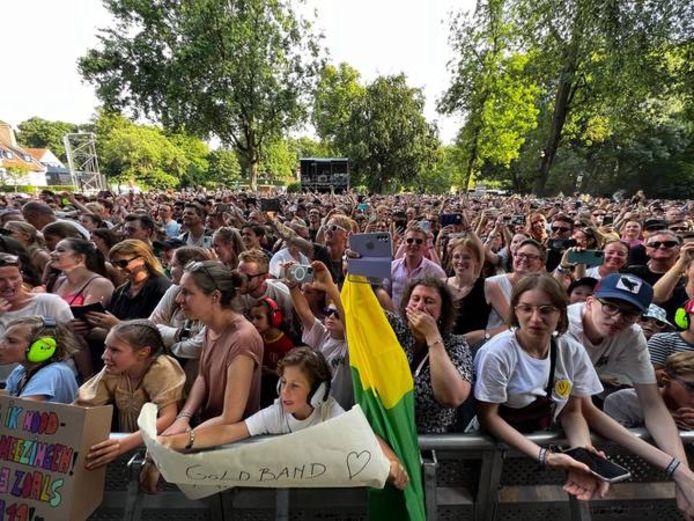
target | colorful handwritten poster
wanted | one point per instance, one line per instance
(341, 452)
(42, 451)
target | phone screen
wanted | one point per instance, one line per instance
(601, 467)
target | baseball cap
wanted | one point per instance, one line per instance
(626, 287)
(655, 224)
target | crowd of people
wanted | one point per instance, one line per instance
(516, 314)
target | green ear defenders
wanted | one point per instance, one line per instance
(42, 348)
(682, 319)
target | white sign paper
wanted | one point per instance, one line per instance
(340, 452)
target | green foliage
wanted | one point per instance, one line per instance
(337, 94)
(224, 168)
(294, 188)
(41, 133)
(242, 70)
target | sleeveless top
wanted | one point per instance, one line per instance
(472, 310)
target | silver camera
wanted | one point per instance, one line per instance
(299, 273)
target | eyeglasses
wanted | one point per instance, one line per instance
(527, 256)
(664, 244)
(659, 324)
(560, 229)
(546, 310)
(612, 309)
(678, 229)
(7, 259)
(251, 277)
(330, 312)
(123, 263)
(200, 266)
(412, 240)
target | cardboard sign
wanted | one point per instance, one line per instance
(42, 453)
(340, 452)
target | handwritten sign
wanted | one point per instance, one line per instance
(42, 450)
(341, 452)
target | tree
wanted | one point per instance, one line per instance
(337, 94)
(242, 70)
(387, 137)
(224, 168)
(491, 88)
(41, 133)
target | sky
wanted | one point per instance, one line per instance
(377, 37)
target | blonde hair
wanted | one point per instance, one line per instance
(345, 222)
(67, 343)
(135, 247)
(255, 255)
(679, 364)
(35, 238)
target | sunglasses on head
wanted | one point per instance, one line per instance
(123, 263)
(330, 312)
(666, 244)
(412, 240)
(7, 259)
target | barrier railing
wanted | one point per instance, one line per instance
(466, 476)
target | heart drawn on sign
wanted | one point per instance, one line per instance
(357, 462)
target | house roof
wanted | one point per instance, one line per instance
(18, 159)
(36, 153)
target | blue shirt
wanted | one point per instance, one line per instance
(56, 382)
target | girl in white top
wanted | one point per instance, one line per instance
(304, 400)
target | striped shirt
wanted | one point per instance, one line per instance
(662, 345)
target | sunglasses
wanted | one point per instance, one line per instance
(123, 263)
(412, 240)
(200, 266)
(330, 312)
(336, 227)
(251, 277)
(560, 229)
(679, 229)
(664, 244)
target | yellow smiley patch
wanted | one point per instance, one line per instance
(562, 388)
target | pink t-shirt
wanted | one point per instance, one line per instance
(218, 353)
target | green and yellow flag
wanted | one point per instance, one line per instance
(384, 389)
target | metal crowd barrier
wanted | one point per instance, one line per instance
(465, 477)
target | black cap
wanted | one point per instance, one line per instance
(169, 244)
(655, 224)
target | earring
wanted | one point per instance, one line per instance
(555, 334)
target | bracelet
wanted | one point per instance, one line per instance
(672, 467)
(437, 341)
(191, 439)
(184, 414)
(542, 456)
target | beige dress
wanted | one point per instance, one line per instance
(162, 384)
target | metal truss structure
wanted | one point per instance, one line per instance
(80, 149)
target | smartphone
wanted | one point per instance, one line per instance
(446, 219)
(376, 255)
(270, 205)
(518, 220)
(607, 219)
(425, 225)
(587, 257)
(80, 311)
(362, 207)
(603, 468)
(207, 241)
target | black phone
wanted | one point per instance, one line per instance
(587, 257)
(80, 311)
(603, 468)
(607, 219)
(446, 219)
(270, 205)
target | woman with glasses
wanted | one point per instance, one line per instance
(16, 301)
(137, 298)
(440, 361)
(530, 257)
(327, 336)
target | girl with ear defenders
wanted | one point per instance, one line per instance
(304, 400)
(136, 371)
(41, 347)
(266, 317)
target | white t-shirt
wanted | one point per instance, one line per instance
(273, 419)
(337, 355)
(623, 356)
(507, 375)
(504, 283)
(41, 304)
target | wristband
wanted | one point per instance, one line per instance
(672, 467)
(563, 270)
(184, 414)
(191, 439)
(542, 456)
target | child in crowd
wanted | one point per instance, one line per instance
(677, 392)
(304, 400)
(266, 317)
(579, 290)
(42, 348)
(662, 345)
(136, 371)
